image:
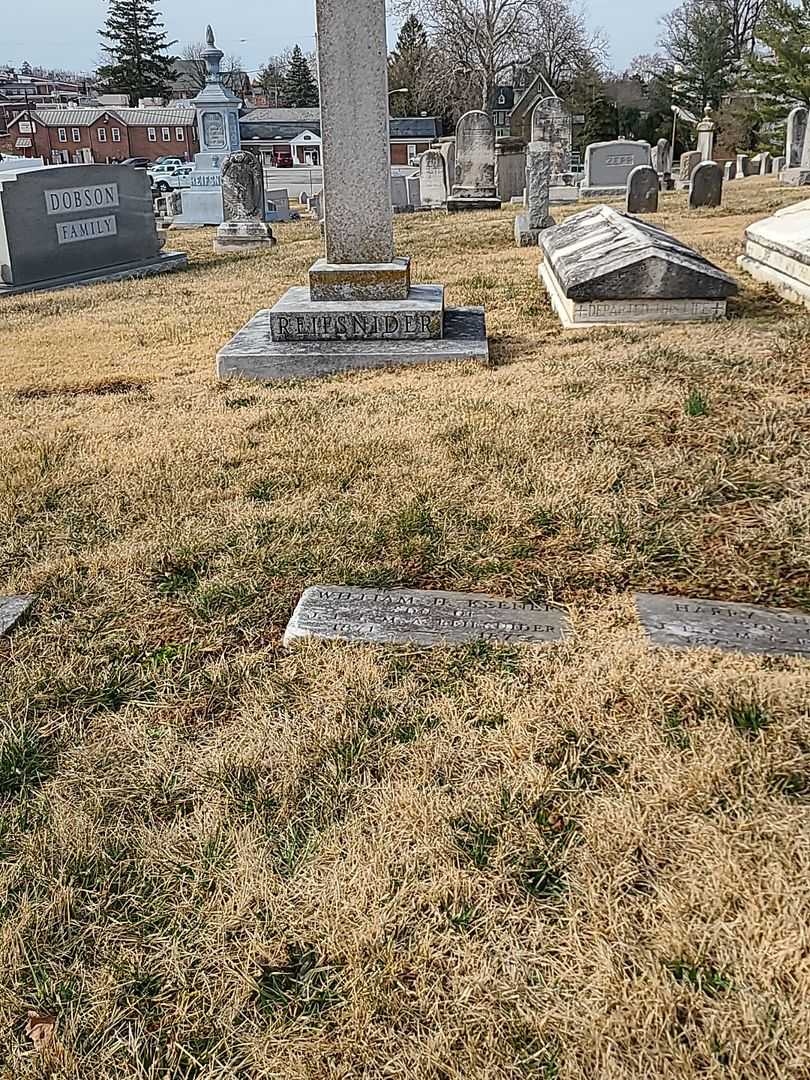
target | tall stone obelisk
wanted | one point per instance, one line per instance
(360, 309)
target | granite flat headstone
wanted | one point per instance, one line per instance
(643, 186)
(72, 224)
(706, 186)
(415, 616)
(608, 165)
(683, 623)
(12, 609)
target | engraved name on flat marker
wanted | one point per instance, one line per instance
(682, 623)
(415, 616)
(12, 609)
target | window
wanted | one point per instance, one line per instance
(62, 133)
(151, 134)
(116, 134)
(412, 149)
(180, 134)
(76, 135)
(165, 134)
(102, 134)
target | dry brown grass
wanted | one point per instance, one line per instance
(220, 861)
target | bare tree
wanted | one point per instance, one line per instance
(744, 17)
(231, 67)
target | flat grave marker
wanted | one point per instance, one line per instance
(419, 617)
(681, 622)
(12, 609)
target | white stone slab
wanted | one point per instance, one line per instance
(683, 623)
(580, 315)
(12, 609)
(777, 252)
(415, 616)
(253, 354)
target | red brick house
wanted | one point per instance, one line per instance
(86, 134)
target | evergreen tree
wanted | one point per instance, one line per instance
(136, 46)
(300, 87)
(779, 77)
(601, 118)
(408, 67)
(699, 42)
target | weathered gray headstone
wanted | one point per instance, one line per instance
(777, 165)
(447, 148)
(643, 185)
(608, 164)
(474, 188)
(777, 252)
(433, 180)
(743, 166)
(765, 164)
(12, 609)
(662, 157)
(796, 130)
(243, 206)
(415, 616)
(730, 170)
(706, 186)
(683, 623)
(72, 224)
(689, 162)
(705, 134)
(552, 124)
(538, 180)
(510, 167)
(602, 267)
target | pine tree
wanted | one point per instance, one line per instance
(300, 87)
(137, 47)
(601, 118)
(408, 67)
(780, 77)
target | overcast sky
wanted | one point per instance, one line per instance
(62, 33)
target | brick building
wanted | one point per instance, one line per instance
(83, 135)
(294, 135)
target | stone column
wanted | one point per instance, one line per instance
(528, 226)
(353, 66)
(705, 130)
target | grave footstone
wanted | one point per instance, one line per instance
(604, 268)
(12, 610)
(608, 165)
(552, 124)
(243, 207)
(474, 188)
(360, 309)
(433, 180)
(528, 226)
(796, 131)
(76, 224)
(642, 190)
(777, 252)
(683, 623)
(706, 186)
(419, 617)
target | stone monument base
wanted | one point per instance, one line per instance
(166, 261)
(562, 194)
(237, 236)
(795, 177)
(457, 204)
(602, 192)
(254, 354)
(581, 315)
(525, 236)
(776, 252)
(335, 282)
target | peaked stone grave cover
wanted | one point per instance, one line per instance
(777, 252)
(603, 267)
(419, 617)
(360, 309)
(12, 609)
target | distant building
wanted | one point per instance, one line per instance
(82, 135)
(19, 91)
(293, 136)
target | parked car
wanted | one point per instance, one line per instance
(171, 181)
(160, 175)
(169, 161)
(137, 162)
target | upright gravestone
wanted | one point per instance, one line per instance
(447, 148)
(800, 176)
(705, 133)
(643, 186)
(608, 165)
(663, 157)
(743, 166)
(360, 309)
(474, 188)
(730, 170)
(689, 162)
(777, 165)
(433, 180)
(528, 226)
(706, 186)
(217, 111)
(243, 227)
(552, 124)
(74, 224)
(796, 130)
(510, 167)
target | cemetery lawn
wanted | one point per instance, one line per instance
(221, 860)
